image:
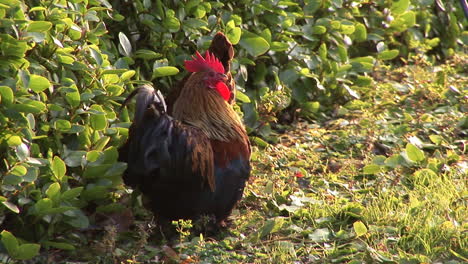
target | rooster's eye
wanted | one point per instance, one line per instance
(211, 74)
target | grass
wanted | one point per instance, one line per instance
(382, 180)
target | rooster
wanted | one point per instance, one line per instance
(222, 48)
(196, 161)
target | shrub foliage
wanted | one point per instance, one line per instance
(66, 65)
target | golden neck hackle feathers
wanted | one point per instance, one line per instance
(204, 108)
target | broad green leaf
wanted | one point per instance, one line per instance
(199, 11)
(165, 71)
(97, 56)
(260, 142)
(10, 242)
(127, 75)
(38, 83)
(363, 80)
(367, 59)
(195, 23)
(39, 26)
(72, 193)
(289, 76)
(12, 47)
(394, 161)
(319, 30)
(37, 37)
(234, 35)
(436, 139)
(95, 171)
(58, 167)
(312, 6)
(11, 206)
(434, 42)
(279, 46)
(37, 8)
(343, 52)
(75, 158)
(347, 28)
(414, 153)
(116, 169)
(362, 66)
(76, 129)
(409, 19)
(266, 34)
(96, 192)
(73, 98)
(191, 5)
(111, 155)
(13, 140)
(254, 44)
(323, 51)
(388, 54)
(111, 78)
(206, 5)
(65, 59)
(58, 210)
(79, 220)
(27, 251)
(93, 155)
(31, 175)
(242, 97)
(29, 106)
(146, 54)
(62, 125)
(6, 95)
(311, 107)
(360, 34)
(114, 71)
(371, 169)
(271, 226)
(379, 160)
(19, 170)
(22, 151)
(101, 143)
(171, 23)
(125, 44)
(359, 228)
(115, 90)
(335, 24)
(91, 15)
(100, 29)
(59, 245)
(97, 120)
(70, 91)
(42, 206)
(320, 235)
(53, 191)
(11, 179)
(346, 67)
(399, 6)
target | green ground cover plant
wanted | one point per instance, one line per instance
(356, 109)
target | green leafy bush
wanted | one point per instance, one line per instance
(59, 127)
(65, 65)
(312, 54)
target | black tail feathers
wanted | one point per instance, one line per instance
(146, 97)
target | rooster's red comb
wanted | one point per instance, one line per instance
(198, 64)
